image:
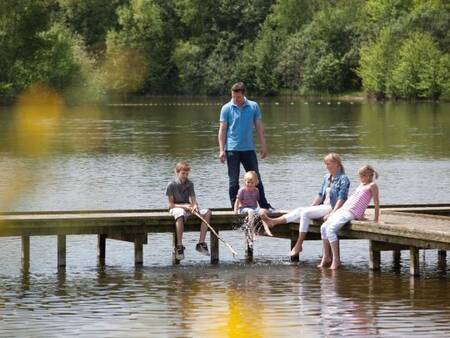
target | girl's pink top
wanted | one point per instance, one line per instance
(249, 197)
(358, 202)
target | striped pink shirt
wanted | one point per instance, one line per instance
(358, 202)
(249, 197)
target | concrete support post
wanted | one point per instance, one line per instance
(61, 244)
(248, 252)
(174, 260)
(25, 252)
(414, 261)
(396, 257)
(374, 257)
(442, 259)
(214, 244)
(138, 250)
(101, 249)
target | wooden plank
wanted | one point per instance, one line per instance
(400, 228)
(126, 237)
(417, 206)
(383, 246)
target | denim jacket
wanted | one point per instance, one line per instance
(339, 188)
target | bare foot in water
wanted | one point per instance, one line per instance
(324, 263)
(335, 265)
(296, 250)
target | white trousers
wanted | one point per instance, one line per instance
(332, 225)
(180, 212)
(304, 215)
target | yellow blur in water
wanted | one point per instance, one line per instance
(36, 117)
(242, 317)
(37, 114)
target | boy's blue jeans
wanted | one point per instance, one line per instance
(250, 162)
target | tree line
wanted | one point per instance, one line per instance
(90, 48)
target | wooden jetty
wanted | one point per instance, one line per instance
(403, 227)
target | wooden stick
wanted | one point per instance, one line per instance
(215, 233)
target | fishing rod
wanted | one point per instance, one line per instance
(215, 233)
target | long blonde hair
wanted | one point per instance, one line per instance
(369, 171)
(335, 158)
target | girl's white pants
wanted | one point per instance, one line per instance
(332, 225)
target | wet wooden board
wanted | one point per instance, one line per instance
(408, 225)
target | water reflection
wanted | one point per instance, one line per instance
(385, 130)
(231, 301)
(118, 157)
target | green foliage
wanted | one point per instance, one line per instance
(132, 50)
(53, 63)
(188, 59)
(376, 61)
(321, 57)
(417, 70)
(91, 19)
(396, 48)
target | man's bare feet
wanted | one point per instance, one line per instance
(324, 263)
(296, 250)
(335, 265)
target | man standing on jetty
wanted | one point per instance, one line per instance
(238, 118)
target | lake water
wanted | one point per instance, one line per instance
(54, 157)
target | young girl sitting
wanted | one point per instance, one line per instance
(352, 209)
(247, 202)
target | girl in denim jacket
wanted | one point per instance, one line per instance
(332, 195)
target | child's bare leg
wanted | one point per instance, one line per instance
(326, 257)
(336, 257)
(204, 227)
(179, 224)
(271, 222)
(298, 247)
(267, 221)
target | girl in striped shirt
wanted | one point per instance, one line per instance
(352, 209)
(247, 202)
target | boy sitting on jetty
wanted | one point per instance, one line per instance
(182, 203)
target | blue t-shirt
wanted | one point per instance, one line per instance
(240, 125)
